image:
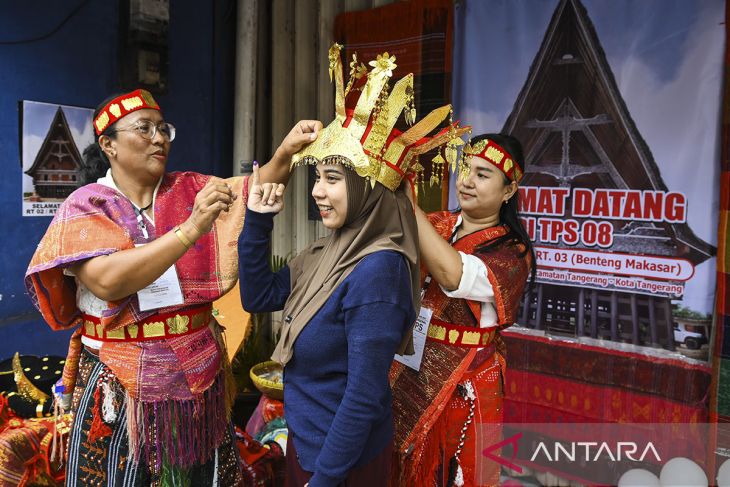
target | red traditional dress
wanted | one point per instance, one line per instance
(450, 411)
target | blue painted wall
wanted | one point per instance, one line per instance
(77, 66)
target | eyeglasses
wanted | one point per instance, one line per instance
(147, 130)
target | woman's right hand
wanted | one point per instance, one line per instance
(216, 196)
(264, 197)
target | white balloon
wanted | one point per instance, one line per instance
(638, 477)
(723, 474)
(682, 472)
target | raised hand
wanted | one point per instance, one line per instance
(303, 133)
(264, 197)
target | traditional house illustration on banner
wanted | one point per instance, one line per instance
(56, 170)
(613, 244)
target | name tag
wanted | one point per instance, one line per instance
(164, 292)
(420, 331)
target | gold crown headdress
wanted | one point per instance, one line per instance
(363, 134)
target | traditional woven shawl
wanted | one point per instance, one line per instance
(419, 398)
(178, 373)
(97, 220)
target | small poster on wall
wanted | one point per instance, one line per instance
(53, 138)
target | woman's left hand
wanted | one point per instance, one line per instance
(265, 197)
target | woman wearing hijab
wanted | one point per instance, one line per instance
(349, 299)
(348, 304)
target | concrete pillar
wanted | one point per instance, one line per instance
(244, 132)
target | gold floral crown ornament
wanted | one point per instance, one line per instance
(363, 134)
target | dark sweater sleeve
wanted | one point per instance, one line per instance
(261, 289)
(378, 289)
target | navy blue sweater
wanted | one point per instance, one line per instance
(337, 400)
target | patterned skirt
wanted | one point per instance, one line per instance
(104, 459)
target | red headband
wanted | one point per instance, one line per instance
(121, 106)
(495, 153)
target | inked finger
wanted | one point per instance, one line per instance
(255, 178)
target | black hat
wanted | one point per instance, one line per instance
(27, 382)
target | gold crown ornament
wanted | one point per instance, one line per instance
(363, 134)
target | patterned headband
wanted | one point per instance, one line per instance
(123, 105)
(495, 153)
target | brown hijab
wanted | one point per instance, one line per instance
(377, 219)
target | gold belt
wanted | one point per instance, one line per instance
(460, 336)
(155, 327)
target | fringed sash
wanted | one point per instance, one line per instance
(177, 432)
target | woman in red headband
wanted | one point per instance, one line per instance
(478, 261)
(133, 262)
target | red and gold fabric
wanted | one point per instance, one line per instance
(155, 327)
(426, 405)
(463, 336)
(27, 449)
(121, 106)
(490, 151)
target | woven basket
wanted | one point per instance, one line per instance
(268, 378)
